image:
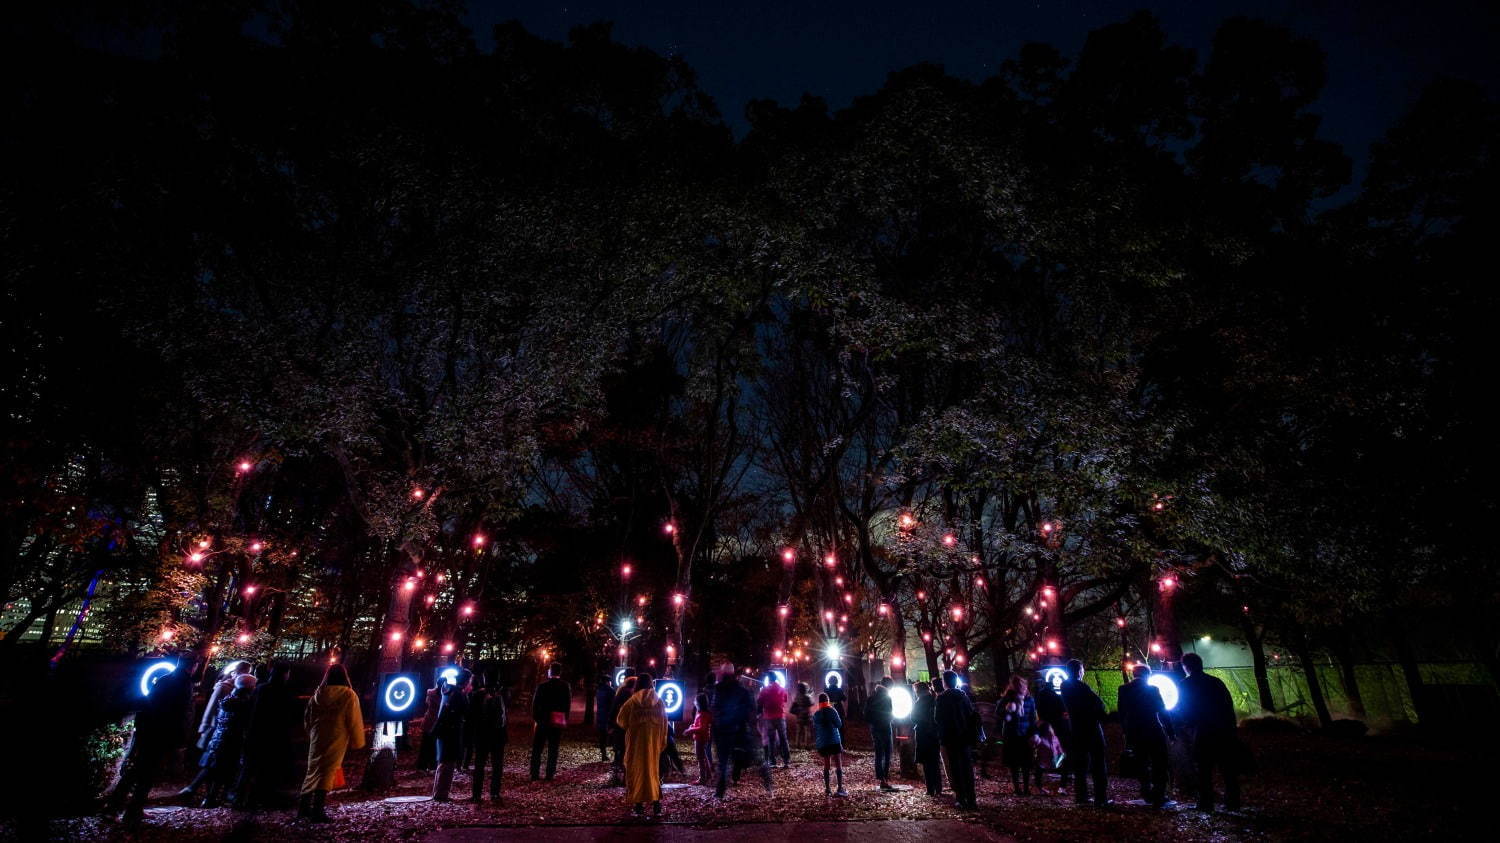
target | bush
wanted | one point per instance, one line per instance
(1271, 725)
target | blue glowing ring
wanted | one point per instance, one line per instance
(777, 676)
(620, 677)
(153, 673)
(1162, 682)
(399, 687)
(833, 674)
(671, 696)
(1054, 676)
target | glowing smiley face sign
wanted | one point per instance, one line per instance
(154, 672)
(901, 702)
(400, 694)
(1055, 676)
(1162, 682)
(833, 679)
(620, 674)
(672, 697)
(396, 701)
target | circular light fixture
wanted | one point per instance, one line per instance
(1054, 676)
(901, 702)
(671, 696)
(401, 693)
(153, 672)
(1162, 682)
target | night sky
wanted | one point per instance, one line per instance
(1380, 53)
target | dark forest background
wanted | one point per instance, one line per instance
(322, 325)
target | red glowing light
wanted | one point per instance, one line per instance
(1046, 526)
(830, 560)
(669, 528)
(897, 661)
(789, 555)
(396, 636)
(625, 570)
(828, 615)
(417, 494)
(622, 652)
(848, 598)
(249, 589)
(1155, 646)
(927, 636)
(431, 598)
(843, 618)
(440, 577)
(838, 581)
(195, 557)
(215, 648)
(411, 584)
(783, 610)
(447, 646)
(949, 539)
(778, 654)
(166, 635)
(418, 643)
(244, 466)
(640, 601)
(479, 540)
(907, 521)
(979, 582)
(959, 658)
(1034, 656)
(885, 609)
(255, 547)
(1168, 583)
(671, 650)
(244, 638)
(921, 595)
(468, 610)
(957, 612)
(1052, 644)
(678, 599)
(1120, 622)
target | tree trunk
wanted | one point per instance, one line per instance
(1166, 622)
(1409, 668)
(1310, 671)
(1256, 640)
(380, 771)
(1343, 651)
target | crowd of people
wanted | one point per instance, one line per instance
(1052, 738)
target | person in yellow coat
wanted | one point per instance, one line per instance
(644, 719)
(334, 726)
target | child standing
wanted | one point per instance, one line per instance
(829, 740)
(703, 720)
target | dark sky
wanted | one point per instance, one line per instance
(1380, 53)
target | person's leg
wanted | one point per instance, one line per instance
(1099, 769)
(705, 760)
(827, 776)
(148, 767)
(786, 746)
(724, 752)
(497, 769)
(538, 739)
(447, 758)
(838, 767)
(1228, 762)
(476, 777)
(554, 738)
(1203, 762)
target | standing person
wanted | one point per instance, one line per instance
(801, 711)
(222, 689)
(828, 738)
(604, 697)
(1086, 719)
(702, 734)
(489, 722)
(734, 730)
(925, 740)
(617, 734)
(1017, 727)
(449, 732)
(220, 762)
(270, 746)
(549, 712)
(334, 726)
(161, 728)
(1207, 711)
(878, 716)
(1050, 710)
(772, 704)
(837, 697)
(955, 718)
(644, 719)
(472, 714)
(1143, 713)
(427, 752)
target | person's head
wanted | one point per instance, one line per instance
(937, 685)
(336, 675)
(644, 681)
(833, 681)
(726, 671)
(244, 683)
(822, 699)
(555, 670)
(1045, 730)
(605, 681)
(1075, 669)
(703, 702)
(280, 672)
(1192, 663)
(950, 679)
(243, 667)
(187, 660)
(922, 688)
(629, 682)
(463, 680)
(1017, 685)
(1140, 671)
(886, 681)
(802, 687)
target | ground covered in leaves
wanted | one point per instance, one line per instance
(1307, 788)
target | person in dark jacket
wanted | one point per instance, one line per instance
(220, 761)
(1207, 711)
(161, 728)
(270, 757)
(1017, 725)
(735, 738)
(928, 750)
(879, 718)
(549, 711)
(604, 697)
(427, 752)
(617, 732)
(449, 732)
(1086, 718)
(828, 739)
(955, 717)
(1143, 714)
(488, 722)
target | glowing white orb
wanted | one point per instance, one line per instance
(1163, 682)
(901, 702)
(154, 672)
